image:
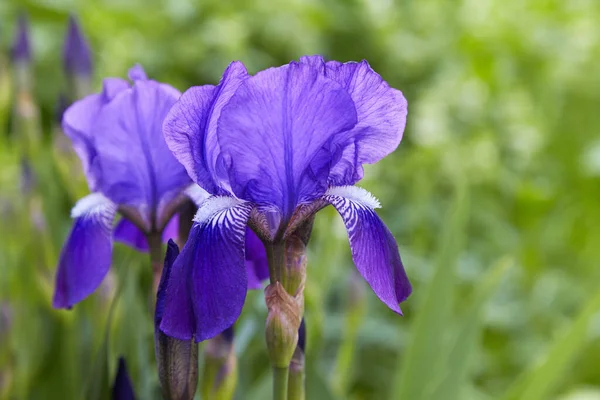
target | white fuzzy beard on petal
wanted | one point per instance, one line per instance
(356, 194)
(214, 205)
(94, 203)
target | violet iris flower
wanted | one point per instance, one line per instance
(273, 149)
(117, 134)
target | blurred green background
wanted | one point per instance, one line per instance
(493, 196)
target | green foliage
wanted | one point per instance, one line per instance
(492, 196)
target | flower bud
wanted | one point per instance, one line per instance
(77, 57)
(122, 388)
(21, 48)
(177, 360)
(283, 321)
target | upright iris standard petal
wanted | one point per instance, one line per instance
(374, 249)
(275, 135)
(79, 120)
(127, 233)
(257, 263)
(209, 273)
(137, 167)
(86, 256)
(381, 114)
(190, 127)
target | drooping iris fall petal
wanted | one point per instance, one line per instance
(374, 249)
(208, 283)
(86, 256)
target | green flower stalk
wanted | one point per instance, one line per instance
(297, 376)
(354, 316)
(285, 301)
(220, 367)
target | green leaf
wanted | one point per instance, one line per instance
(459, 360)
(98, 384)
(539, 382)
(420, 366)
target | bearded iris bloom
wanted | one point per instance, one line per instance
(129, 169)
(117, 134)
(272, 149)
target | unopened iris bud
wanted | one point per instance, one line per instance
(122, 388)
(285, 302)
(294, 278)
(283, 320)
(177, 360)
(77, 59)
(21, 48)
(220, 369)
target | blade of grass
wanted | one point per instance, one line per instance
(539, 382)
(465, 345)
(418, 369)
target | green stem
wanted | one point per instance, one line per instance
(297, 377)
(276, 258)
(280, 383)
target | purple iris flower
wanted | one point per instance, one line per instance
(118, 136)
(130, 170)
(273, 149)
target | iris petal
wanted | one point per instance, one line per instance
(138, 168)
(127, 233)
(78, 121)
(381, 111)
(190, 127)
(275, 133)
(208, 284)
(86, 256)
(257, 264)
(374, 249)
